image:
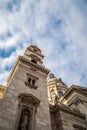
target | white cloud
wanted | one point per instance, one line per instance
(3, 78)
(10, 42)
(64, 45)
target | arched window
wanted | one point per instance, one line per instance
(60, 93)
(34, 61)
(33, 82)
(29, 80)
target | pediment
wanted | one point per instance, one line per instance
(77, 89)
(28, 98)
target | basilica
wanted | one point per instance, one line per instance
(34, 99)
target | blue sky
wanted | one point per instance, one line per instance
(57, 27)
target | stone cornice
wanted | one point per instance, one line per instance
(72, 89)
(66, 109)
(41, 68)
(79, 127)
(77, 100)
(29, 98)
(21, 59)
(35, 52)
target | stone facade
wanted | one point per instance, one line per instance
(31, 102)
(68, 111)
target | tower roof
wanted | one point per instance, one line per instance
(51, 76)
(34, 48)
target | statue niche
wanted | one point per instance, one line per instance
(25, 120)
(26, 112)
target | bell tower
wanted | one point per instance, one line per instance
(33, 53)
(26, 98)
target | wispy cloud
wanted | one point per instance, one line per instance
(58, 27)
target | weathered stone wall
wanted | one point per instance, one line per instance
(9, 105)
(53, 121)
(68, 120)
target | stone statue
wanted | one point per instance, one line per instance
(25, 120)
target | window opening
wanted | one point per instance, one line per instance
(34, 61)
(33, 82)
(29, 80)
(60, 93)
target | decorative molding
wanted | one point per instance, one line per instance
(33, 69)
(78, 127)
(28, 98)
(30, 85)
(73, 89)
(35, 50)
(76, 101)
(41, 68)
(32, 76)
(66, 109)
